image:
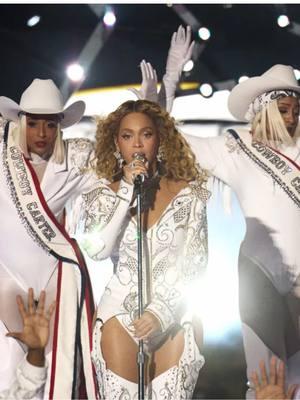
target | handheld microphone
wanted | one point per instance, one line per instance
(140, 178)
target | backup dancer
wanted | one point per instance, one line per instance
(39, 174)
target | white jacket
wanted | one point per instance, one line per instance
(272, 219)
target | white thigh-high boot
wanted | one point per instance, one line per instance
(179, 381)
(110, 385)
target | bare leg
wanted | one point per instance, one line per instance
(168, 355)
(114, 358)
(119, 350)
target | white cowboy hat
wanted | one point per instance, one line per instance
(242, 95)
(42, 97)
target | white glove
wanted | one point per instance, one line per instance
(148, 90)
(179, 53)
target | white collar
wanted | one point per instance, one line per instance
(36, 159)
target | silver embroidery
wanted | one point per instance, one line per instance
(174, 253)
(231, 143)
(99, 205)
(80, 152)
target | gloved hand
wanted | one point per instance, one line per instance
(179, 53)
(148, 90)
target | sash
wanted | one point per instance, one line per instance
(72, 341)
(284, 171)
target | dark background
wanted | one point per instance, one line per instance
(245, 40)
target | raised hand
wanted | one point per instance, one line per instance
(146, 326)
(148, 90)
(274, 386)
(35, 334)
(180, 52)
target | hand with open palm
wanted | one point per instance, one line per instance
(272, 387)
(36, 321)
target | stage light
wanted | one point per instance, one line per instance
(33, 21)
(206, 90)
(75, 72)
(204, 33)
(109, 18)
(188, 66)
(243, 78)
(283, 21)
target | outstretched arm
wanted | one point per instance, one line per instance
(180, 52)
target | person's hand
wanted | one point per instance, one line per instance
(146, 326)
(274, 386)
(148, 90)
(134, 168)
(180, 52)
(35, 334)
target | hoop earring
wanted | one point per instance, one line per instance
(120, 159)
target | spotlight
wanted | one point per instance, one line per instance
(33, 21)
(188, 66)
(109, 18)
(75, 72)
(204, 33)
(283, 21)
(206, 90)
(243, 78)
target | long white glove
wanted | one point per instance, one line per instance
(179, 53)
(148, 88)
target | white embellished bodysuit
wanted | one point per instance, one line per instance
(174, 255)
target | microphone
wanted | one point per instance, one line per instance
(140, 178)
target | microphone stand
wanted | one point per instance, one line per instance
(138, 181)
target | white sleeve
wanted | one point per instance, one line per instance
(29, 381)
(212, 154)
(81, 158)
(102, 219)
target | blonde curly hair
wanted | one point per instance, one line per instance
(178, 159)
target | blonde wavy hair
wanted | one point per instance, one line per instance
(268, 127)
(178, 159)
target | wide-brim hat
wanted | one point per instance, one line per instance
(278, 77)
(42, 97)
